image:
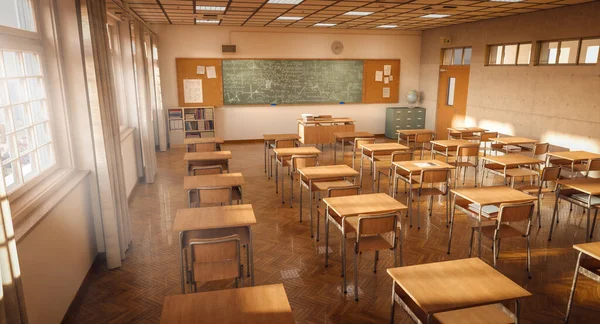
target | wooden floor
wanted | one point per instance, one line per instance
(285, 253)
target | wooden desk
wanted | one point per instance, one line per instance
(570, 158)
(322, 174)
(203, 140)
(483, 196)
(349, 206)
(589, 267)
(567, 188)
(371, 150)
(519, 143)
(411, 134)
(460, 131)
(321, 131)
(212, 181)
(444, 147)
(269, 139)
(210, 218)
(261, 304)
(406, 170)
(208, 158)
(282, 154)
(426, 289)
(509, 166)
(347, 137)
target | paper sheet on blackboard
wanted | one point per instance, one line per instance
(386, 92)
(200, 69)
(211, 73)
(192, 91)
(379, 76)
(387, 69)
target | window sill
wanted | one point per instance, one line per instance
(31, 208)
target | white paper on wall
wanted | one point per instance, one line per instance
(200, 69)
(211, 73)
(192, 91)
(379, 76)
(386, 92)
(386, 80)
(387, 69)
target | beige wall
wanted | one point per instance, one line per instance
(559, 104)
(56, 256)
(243, 122)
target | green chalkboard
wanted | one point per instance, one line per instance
(292, 81)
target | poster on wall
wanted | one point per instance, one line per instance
(192, 91)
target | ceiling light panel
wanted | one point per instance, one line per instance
(387, 26)
(435, 16)
(206, 21)
(324, 25)
(289, 18)
(358, 13)
(287, 2)
(210, 8)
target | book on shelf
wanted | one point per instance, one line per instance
(191, 126)
(176, 124)
(175, 113)
(489, 211)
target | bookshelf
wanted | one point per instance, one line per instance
(190, 122)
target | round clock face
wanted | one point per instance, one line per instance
(337, 47)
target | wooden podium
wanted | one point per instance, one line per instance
(320, 131)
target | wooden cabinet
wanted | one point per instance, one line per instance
(397, 118)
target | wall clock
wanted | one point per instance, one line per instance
(337, 47)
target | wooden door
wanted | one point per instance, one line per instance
(453, 89)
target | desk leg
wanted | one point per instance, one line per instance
(573, 287)
(393, 303)
(265, 149)
(587, 226)
(517, 311)
(343, 150)
(344, 258)
(251, 261)
(301, 198)
(183, 275)
(310, 206)
(410, 199)
(479, 247)
(554, 213)
(282, 181)
(326, 235)
(452, 222)
(277, 174)
(361, 168)
(374, 170)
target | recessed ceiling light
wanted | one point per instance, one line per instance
(291, 2)
(506, 0)
(210, 8)
(435, 16)
(357, 13)
(206, 21)
(387, 26)
(324, 25)
(289, 18)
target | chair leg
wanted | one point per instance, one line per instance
(570, 302)
(378, 181)
(471, 241)
(356, 275)
(393, 303)
(528, 257)
(495, 249)
(498, 248)
(539, 213)
(242, 274)
(375, 263)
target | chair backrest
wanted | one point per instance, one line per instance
(485, 136)
(540, 148)
(304, 161)
(424, 138)
(215, 259)
(592, 165)
(217, 195)
(399, 156)
(515, 212)
(343, 191)
(376, 224)
(205, 147)
(285, 143)
(359, 141)
(466, 134)
(468, 150)
(435, 176)
(209, 169)
(550, 173)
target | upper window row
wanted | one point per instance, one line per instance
(456, 56)
(17, 14)
(571, 51)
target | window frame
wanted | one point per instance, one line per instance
(117, 68)
(559, 41)
(452, 49)
(516, 63)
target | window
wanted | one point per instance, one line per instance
(17, 14)
(509, 54)
(117, 69)
(569, 51)
(456, 56)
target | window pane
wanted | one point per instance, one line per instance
(16, 91)
(548, 52)
(495, 54)
(5, 124)
(450, 96)
(457, 59)
(447, 57)
(17, 14)
(29, 165)
(3, 94)
(38, 111)
(21, 116)
(32, 64)
(13, 66)
(46, 157)
(467, 56)
(24, 141)
(568, 52)
(510, 54)
(589, 51)
(8, 148)
(35, 88)
(11, 175)
(42, 134)
(524, 54)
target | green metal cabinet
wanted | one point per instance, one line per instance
(397, 118)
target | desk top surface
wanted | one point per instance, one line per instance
(493, 195)
(452, 143)
(420, 165)
(450, 285)
(512, 159)
(207, 156)
(213, 180)
(302, 150)
(591, 249)
(575, 155)
(273, 137)
(590, 186)
(514, 140)
(328, 171)
(326, 121)
(189, 219)
(364, 204)
(466, 129)
(346, 135)
(202, 140)
(259, 304)
(414, 131)
(374, 147)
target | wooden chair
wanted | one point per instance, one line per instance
(397, 156)
(485, 138)
(427, 180)
(358, 143)
(214, 259)
(296, 162)
(509, 213)
(338, 189)
(590, 166)
(464, 154)
(204, 147)
(422, 140)
(279, 144)
(549, 174)
(206, 169)
(219, 195)
(372, 232)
